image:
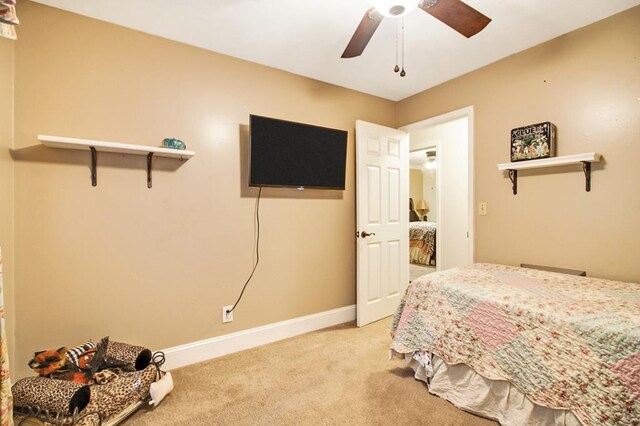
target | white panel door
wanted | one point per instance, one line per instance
(382, 182)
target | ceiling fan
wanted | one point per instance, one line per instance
(454, 13)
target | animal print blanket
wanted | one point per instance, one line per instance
(564, 341)
(422, 235)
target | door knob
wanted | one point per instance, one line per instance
(365, 234)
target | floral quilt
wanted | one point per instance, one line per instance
(564, 341)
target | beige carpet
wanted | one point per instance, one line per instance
(340, 375)
(416, 270)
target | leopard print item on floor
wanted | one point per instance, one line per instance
(48, 394)
(113, 397)
(137, 356)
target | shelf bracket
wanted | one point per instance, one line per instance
(94, 166)
(513, 177)
(149, 158)
(586, 168)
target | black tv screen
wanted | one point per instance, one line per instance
(284, 153)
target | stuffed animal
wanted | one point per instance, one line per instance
(82, 356)
(79, 364)
(66, 364)
(46, 362)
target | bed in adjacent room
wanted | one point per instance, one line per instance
(422, 242)
(525, 346)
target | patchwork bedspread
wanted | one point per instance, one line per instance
(422, 238)
(564, 341)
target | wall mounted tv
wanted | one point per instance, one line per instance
(284, 153)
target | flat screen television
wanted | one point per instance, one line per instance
(289, 154)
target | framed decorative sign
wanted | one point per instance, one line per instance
(533, 142)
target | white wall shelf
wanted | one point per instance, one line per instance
(113, 147)
(566, 160)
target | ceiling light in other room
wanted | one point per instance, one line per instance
(431, 162)
(394, 8)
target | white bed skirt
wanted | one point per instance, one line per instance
(495, 399)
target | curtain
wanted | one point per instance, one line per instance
(8, 19)
(6, 399)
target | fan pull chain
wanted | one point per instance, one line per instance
(402, 73)
(397, 68)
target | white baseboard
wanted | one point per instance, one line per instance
(190, 353)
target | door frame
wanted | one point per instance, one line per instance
(441, 119)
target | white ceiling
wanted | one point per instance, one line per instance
(307, 37)
(417, 159)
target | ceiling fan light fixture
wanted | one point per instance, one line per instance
(394, 8)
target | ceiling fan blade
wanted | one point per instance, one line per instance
(363, 34)
(458, 15)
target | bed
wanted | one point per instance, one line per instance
(422, 242)
(525, 346)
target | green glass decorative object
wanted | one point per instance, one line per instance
(173, 143)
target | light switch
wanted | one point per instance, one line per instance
(482, 211)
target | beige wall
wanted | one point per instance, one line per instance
(415, 185)
(588, 83)
(7, 51)
(429, 191)
(156, 266)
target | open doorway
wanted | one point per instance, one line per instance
(382, 182)
(443, 146)
(423, 211)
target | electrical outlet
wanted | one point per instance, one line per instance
(482, 211)
(227, 316)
